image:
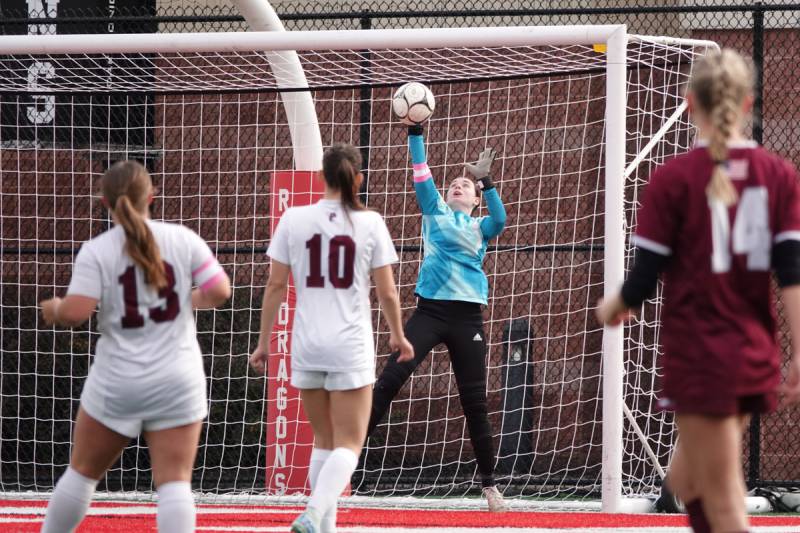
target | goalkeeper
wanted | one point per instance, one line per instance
(450, 291)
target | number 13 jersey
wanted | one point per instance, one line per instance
(331, 253)
(718, 318)
(148, 363)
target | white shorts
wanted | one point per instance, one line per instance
(133, 427)
(312, 379)
(145, 405)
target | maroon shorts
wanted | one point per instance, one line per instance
(721, 405)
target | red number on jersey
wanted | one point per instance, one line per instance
(164, 313)
(314, 278)
(336, 245)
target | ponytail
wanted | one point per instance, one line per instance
(140, 244)
(127, 186)
(348, 175)
(340, 166)
(720, 82)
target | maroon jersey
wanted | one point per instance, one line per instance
(718, 319)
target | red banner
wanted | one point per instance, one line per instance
(289, 436)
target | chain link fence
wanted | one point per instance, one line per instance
(766, 32)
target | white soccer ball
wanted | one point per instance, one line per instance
(413, 103)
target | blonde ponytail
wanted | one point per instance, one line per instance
(720, 82)
(127, 186)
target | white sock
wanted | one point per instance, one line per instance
(318, 458)
(69, 502)
(332, 480)
(176, 511)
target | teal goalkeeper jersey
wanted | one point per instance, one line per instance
(454, 242)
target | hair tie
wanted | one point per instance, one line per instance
(720, 161)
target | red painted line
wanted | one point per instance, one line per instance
(428, 518)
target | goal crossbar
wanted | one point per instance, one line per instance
(378, 39)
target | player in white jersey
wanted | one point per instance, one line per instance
(331, 248)
(147, 375)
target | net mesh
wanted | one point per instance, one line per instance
(211, 129)
(261, 71)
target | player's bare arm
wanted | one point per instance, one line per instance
(390, 302)
(70, 311)
(273, 296)
(790, 296)
(211, 297)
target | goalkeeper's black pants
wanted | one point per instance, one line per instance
(459, 325)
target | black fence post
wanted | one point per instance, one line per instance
(754, 459)
(758, 62)
(365, 112)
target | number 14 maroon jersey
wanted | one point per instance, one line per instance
(718, 318)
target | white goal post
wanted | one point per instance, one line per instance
(519, 84)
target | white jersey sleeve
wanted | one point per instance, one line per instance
(206, 270)
(86, 274)
(384, 253)
(279, 244)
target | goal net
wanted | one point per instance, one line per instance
(208, 121)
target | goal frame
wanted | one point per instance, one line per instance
(614, 38)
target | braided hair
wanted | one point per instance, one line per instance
(720, 83)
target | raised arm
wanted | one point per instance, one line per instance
(492, 225)
(429, 200)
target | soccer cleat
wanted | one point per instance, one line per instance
(328, 522)
(305, 523)
(667, 502)
(494, 499)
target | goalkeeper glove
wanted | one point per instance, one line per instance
(480, 169)
(416, 129)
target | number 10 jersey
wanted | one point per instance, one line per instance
(331, 253)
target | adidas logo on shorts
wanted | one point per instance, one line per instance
(477, 337)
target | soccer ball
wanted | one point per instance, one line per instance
(413, 103)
